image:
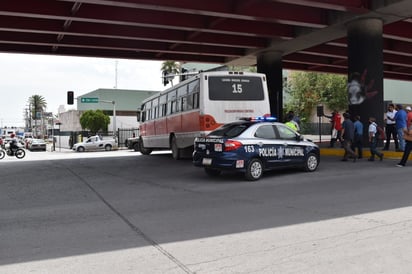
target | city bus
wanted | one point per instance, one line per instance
(172, 119)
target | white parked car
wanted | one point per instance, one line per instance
(95, 143)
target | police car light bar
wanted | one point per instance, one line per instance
(260, 119)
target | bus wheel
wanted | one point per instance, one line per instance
(143, 150)
(176, 153)
(136, 146)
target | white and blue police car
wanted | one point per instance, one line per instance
(253, 146)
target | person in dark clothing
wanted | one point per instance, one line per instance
(408, 146)
(348, 132)
(390, 128)
(358, 137)
(373, 140)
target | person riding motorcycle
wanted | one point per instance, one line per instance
(13, 143)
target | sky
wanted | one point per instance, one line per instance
(25, 75)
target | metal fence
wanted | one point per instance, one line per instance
(124, 133)
(313, 128)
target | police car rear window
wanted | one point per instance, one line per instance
(230, 130)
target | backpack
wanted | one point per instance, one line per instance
(380, 133)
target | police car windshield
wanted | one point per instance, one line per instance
(230, 130)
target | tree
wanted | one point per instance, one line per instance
(94, 120)
(169, 67)
(37, 105)
(309, 89)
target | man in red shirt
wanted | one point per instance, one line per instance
(408, 116)
(336, 121)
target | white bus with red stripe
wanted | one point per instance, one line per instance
(172, 119)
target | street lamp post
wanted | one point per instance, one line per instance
(114, 115)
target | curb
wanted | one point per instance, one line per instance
(366, 153)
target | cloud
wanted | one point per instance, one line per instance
(24, 75)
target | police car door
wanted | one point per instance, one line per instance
(268, 146)
(292, 150)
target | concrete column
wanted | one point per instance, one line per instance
(270, 63)
(365, 69)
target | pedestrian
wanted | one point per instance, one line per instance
(336, 128)
(400, 120)
(390, 128)
(358, 137)
(408, 145)
(372, 130)
(290, 123)
(348, 131)
(295, 119)
(408, 116)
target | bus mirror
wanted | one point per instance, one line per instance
(138, 116)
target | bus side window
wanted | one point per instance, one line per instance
(169, 108)
(184, 103)
(189, 102)
(163, 104)
(178, 104)
(171, 101)
(163, 108)
(196, 100)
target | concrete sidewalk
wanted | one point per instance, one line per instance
(323, 142)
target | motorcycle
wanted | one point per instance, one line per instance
(18, 152)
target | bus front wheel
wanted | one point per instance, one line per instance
(143, 150)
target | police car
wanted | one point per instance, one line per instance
(253, 146)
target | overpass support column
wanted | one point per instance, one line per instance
(365, 69)
(270, 63)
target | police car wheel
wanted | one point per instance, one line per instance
(311, 162)
(254, 170)
(212, 171)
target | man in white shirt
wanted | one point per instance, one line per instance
(390, 128)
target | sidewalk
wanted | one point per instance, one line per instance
(323, 142)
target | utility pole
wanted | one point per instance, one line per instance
(114, 115)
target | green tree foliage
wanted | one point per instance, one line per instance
(170, 67)
(309, 89)
(94, 120)
(37, 104)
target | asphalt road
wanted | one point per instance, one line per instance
(120, 212)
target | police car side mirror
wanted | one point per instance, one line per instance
(299, 138)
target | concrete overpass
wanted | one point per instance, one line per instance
(308, 34)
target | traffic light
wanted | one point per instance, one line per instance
(165, 79)
(70, 97)
(183, 75)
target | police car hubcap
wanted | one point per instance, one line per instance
(256, 170)
(312, 162)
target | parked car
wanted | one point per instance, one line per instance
(36, 145)
(95, 143)
(133, 143)
(253, 146)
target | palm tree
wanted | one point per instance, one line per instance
(37, 105)
(169, 67)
